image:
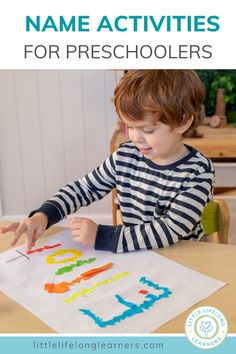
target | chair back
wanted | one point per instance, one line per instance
(215, 221)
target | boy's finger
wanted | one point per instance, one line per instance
(8, 228)
(29, 244)
(75, 233)
(19, 231)
(74, 220)
(75, 226)
(30, 233)
(37, 234)
(77, 220)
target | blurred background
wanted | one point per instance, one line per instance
(57, 125)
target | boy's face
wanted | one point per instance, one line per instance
(156, 141)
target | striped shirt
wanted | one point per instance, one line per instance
(160, 204)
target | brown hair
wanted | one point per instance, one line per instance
(170, 96)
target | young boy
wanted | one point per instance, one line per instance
(162, 184)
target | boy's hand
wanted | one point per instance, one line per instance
(84, 231)
(32, 227)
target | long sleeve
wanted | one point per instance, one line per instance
(82, 192)
(178, 222)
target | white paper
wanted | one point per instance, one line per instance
(23, 280)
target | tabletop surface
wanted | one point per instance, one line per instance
(215, 260)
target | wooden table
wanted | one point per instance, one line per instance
(215, 260)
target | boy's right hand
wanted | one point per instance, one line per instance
(32, 227)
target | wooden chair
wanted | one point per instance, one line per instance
(215, 221)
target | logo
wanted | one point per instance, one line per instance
(206, 327)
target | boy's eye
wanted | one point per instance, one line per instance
(148, 131)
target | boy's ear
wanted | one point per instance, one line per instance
(185, 124)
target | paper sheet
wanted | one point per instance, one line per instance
(135, 292)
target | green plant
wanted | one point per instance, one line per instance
(227, 83)
(214, 79)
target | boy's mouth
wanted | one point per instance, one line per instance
(145, 151)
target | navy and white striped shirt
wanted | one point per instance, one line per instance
(160, 204)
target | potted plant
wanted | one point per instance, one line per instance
(220, 79)
(227, 83)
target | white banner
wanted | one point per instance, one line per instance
(103, 34)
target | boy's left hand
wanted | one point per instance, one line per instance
(84, 231)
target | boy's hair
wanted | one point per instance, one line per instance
(170, 96)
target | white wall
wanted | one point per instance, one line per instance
(55, 126)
